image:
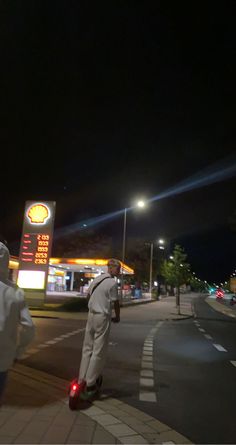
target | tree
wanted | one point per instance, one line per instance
(176, 271)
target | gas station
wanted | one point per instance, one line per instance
(37, 273)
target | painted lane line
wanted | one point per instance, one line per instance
(219, 347)
(147, 373)
(147, 365)
(147, 397)
(147, 358)
(201, 330)
(209, 337)
(50, 342)
(233, 362)
(146, 382)
(147, 353)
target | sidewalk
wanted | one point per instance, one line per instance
(166, 309)
(36, 411)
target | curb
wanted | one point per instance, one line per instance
(125, 423)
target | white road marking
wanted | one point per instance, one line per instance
(146, 382)
(201, 330)
(147, 358)
(219, 347)
(209, 337)
(146, 373)
(233, 362)
(147, 396)
(50, 342)
(147, 353)
(147, 365)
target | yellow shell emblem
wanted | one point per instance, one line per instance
(38, 213)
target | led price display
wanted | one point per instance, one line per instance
(35, 248)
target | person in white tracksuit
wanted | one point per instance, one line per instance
(16, 325)
(102, 293)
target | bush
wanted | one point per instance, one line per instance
(75, 305)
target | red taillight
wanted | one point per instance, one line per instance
(74, 387)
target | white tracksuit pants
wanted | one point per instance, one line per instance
(94, 347)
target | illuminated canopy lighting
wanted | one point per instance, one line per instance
(88, 262)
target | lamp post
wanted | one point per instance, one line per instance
(160, 243)
(150, 274)
(139, 204)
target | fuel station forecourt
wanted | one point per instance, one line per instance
(36, 272)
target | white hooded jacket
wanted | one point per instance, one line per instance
(16, 325)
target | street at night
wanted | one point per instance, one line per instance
(193, 365)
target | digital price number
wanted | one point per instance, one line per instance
(35, 249)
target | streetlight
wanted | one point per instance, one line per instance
(160, 243)
(140, 204)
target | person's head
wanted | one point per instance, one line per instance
(113, 267)
(4, 261)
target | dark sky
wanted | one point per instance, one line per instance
(105, 102)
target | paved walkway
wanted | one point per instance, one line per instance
(35, 408)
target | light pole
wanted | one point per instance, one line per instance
(150, 274)
(124, 235)
(139, 204)
(160, 244)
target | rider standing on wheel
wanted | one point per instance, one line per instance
(102, 293)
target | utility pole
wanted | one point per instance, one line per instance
(150, 276)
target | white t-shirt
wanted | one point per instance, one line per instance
(104, 294)
(16, 325)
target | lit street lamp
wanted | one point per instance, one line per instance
(139, 204)
(160, 244)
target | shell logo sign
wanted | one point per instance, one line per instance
(38, 214)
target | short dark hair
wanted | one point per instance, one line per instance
(114, 262)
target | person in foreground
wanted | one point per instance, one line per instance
(16, 326)
(102, 294)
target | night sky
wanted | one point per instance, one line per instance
(103, 103)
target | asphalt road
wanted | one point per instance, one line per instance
(194, 381)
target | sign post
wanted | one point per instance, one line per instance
(35, 250)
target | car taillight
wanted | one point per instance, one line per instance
(74, 387)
